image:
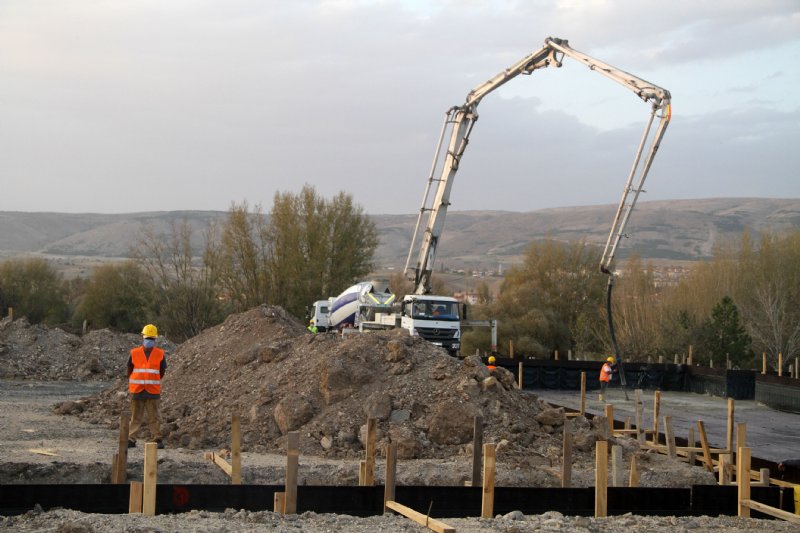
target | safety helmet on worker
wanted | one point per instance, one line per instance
(611, 359)
(492, 359)
(150, 331)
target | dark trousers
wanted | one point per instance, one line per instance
(139, 408)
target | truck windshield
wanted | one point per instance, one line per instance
(435, 310)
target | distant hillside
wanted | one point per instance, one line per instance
(669, 230)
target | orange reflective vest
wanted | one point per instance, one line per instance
(491, 367)
(605, 373)
(146, 375)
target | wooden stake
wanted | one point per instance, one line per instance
(689, 359)
(601, 480)
(150, 478)
(704, 443)
(640, 435)
(743, 481)
(372, 437)
(763, 477)
(627, 425)
(692, 443)
(670, 436)
(729, 441)
(763, 362)
(741, 436)
(11, 313)
(633, 480)
(556, 355)
(519, 376)
(780, 364)
(279, 502)
(391, 474)
(292, 460)
(656, 412)
(135, 499)
(236, 450)
(566, 460)
(660, 359)
(583, 393)
(511, 348)
(120, 470)
(487, 503)
(424, 520)
(610, 418)
(616, 466)
(477, 447)
(722, 464)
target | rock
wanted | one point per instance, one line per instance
(514, 515)
(339, 380)
(378, 405)
(452, 423)
(292, 412)
(396, 351)
(551, 417)
(399, 416)
(407, 443)
(326, 442)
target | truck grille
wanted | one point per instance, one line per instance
(436, 334)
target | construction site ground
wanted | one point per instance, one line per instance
(772, 435)
(61, 397)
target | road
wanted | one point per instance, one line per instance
(771, 434)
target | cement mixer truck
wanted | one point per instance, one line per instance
(371, 305)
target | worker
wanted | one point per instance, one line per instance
(311, 327)
(609, 367)
(146, 368)
(491, 366)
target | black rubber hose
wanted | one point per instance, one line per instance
(614, 344)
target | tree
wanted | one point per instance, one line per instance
(34, 289)
(724, 336)
(242, 258)
(545, 303)
(119, 296)
(317, 248)
(186, 295)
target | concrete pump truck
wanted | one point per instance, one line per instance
(416, 310)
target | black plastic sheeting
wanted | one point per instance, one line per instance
(566, 375)
(443, 502)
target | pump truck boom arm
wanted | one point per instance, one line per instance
(459, 121)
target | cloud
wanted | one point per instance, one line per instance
(151, 105)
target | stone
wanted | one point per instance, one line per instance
(551, 417)
(399, 416)
(339, 380)
(292, 412)
(452, 423)
(378, 405)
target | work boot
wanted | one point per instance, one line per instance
(131, 443)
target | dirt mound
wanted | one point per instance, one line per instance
(37, 352)
(264, 366)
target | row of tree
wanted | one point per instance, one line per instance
(735, 306)
(738, 305)
(305, 248)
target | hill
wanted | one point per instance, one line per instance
(679, 230)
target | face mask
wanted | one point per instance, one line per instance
(149, 343)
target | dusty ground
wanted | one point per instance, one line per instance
(265, 367)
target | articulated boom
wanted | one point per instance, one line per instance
(459, 121)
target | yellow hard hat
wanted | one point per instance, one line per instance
(610, 359)
(150, 331)
(492, 359)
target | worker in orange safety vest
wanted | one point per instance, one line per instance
(146, 367)
(491, 366)
(609, 367)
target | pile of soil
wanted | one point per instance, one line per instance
(264, 366)
(37, 352)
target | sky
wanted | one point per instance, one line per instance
(118, 106)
